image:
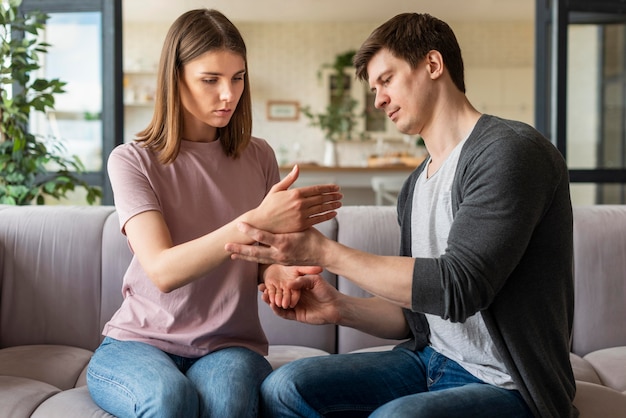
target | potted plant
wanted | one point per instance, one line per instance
(339, 119)
(31, 167)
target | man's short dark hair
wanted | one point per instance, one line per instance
(410, 36)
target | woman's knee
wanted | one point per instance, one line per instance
(143, 380)
(165, 397)
(173, 399)
(228, 381)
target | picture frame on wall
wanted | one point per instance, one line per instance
(283, 110)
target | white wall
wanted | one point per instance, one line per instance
(284, 59)
(583, 98)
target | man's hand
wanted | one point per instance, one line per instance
(296, 249)
(318, 303)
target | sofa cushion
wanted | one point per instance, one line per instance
(597, 401)
(82, 379)
(610, 365)
(374, 349)
(56, 365)
(280, 355)
(583, 370)
(20, 396)
(74, 403)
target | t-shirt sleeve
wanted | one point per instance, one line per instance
(132, 192)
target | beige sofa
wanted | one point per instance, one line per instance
(60, 279)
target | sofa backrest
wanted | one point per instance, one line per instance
(600, 278)
(599, 271)
(373, 229)
(116, 256)
(50, 283)
(61, 271)
(286, 332)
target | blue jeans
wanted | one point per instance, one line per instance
(133, 379)
(397, 383)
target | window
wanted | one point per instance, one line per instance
(581, 92)
(86, 53)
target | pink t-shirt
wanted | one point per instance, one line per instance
(199, 192)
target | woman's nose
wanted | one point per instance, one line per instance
(226, 92)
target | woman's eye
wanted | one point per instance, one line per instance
(209, 80)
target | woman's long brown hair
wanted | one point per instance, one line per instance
(191, 35)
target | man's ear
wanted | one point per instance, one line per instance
(435, 65)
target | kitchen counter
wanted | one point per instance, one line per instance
(346, 176)
(355, 182)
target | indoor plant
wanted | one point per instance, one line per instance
(31, 167)
(339, 120)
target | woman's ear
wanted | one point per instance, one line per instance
(434, 62)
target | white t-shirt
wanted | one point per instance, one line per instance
(468, 343)
(200, 191)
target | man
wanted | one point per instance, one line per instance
(483, 287)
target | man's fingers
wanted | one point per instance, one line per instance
(254, 233)
(306, 270)
(284, 313)
(259, 260)
(248, 253)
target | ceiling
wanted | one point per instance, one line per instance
(332, 10)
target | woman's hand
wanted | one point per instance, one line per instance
(279, 284)
(291, 210)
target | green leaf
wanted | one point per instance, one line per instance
(40, 84)
(49, 186)
(8, 200)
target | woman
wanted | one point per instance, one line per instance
(187, 340)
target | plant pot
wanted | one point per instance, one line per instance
(330, 154)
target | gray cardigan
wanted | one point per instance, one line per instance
(509, 257)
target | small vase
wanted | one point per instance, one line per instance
(330, 154)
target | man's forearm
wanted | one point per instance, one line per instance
(373, 316)
(389, 277)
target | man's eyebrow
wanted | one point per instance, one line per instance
(378, 79)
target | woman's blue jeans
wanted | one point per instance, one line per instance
(397, 383)
(133, 379)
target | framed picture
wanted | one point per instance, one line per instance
(283, 110)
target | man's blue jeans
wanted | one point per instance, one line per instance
(133, 379)
(397, 383)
